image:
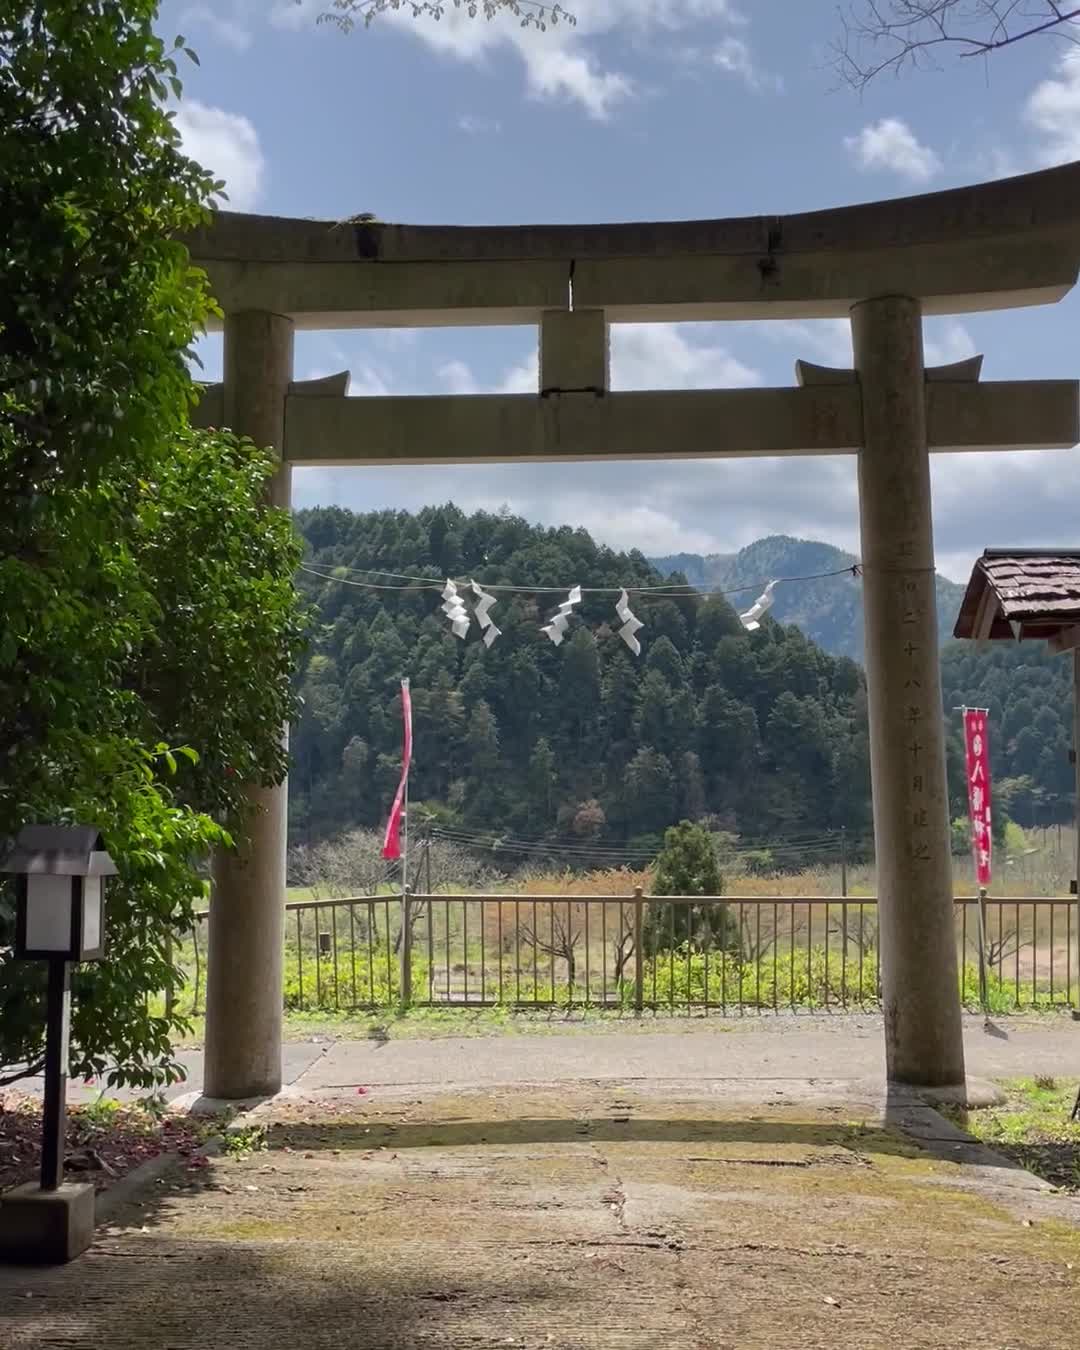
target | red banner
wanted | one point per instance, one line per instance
(977, 746)
(392, 839)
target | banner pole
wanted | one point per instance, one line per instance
(406, 921)
(980, 891)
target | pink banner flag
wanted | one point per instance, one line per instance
(977, 746)
(392, 839)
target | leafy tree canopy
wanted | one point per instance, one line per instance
(149, 622)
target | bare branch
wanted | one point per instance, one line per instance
(561, 943)
(1001, 949)
(895, 35)
(29, 1071)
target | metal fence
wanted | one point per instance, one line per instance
(725, 955)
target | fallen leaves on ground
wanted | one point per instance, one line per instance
(105, 1140)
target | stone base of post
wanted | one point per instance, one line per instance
(244, 970)
(46, 1228)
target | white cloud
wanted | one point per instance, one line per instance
(524, 378)
(458, 378)
(996, 161)
(952, 343)
(295, 14)
(1053, 109)
(666, 356)
(891, 144)
(228, 145)
(561, 63)
(702, 506)
(479, 126)
(734, 56)
(828, 341)
(562, 71)
(232, 29)
(824, 341)
(643, 356)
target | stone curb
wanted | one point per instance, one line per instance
(124, 1191)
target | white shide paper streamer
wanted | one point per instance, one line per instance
(750, 620)
(630, 624)
(557, 627)
(484, 602)
(455, 611)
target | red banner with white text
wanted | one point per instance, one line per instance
(977, 758)
(392, 839)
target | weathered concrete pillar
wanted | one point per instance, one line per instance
(923, 1040)
(244, 974)
(575, 352)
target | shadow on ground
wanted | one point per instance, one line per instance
(577, 1217)
(160, 1293)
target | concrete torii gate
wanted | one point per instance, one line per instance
(886, 264)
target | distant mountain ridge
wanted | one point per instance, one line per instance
(828, 610)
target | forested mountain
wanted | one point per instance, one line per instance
(763, 732)
(829, 611)
(1028, 690)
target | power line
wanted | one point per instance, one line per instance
(789, 843)
(795, 840)
(819, 847)
(669, 590)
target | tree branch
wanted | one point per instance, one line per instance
(539, 14)
(30, 1071)
(881, 35)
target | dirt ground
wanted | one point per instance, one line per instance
(572, 1216)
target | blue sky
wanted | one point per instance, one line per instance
(648, 109)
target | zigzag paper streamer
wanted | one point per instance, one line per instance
(749, 620)
(630, 624)
(455, 611)
(556, 629)
(484, 602)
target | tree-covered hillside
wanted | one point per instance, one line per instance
(763, 732)
(829, 610)
(1028, 690)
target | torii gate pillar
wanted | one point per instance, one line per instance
(923, 1034)
(247, 913)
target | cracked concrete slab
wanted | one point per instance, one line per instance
(578, 1215)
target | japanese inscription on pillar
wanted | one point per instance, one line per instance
(916, 713)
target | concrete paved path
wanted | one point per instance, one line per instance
(578, 1216)
(838, 1049)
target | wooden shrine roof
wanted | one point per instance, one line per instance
(1022, 594)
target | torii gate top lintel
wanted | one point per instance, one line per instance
(995, 245)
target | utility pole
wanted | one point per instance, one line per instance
(843, 861)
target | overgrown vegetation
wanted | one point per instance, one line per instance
(1034, 1128)
(149, 624)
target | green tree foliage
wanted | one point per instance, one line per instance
(149, 623)
(1028, 690)
(688, 865)
(752, 732)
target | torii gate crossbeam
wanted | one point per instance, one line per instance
(885, 265)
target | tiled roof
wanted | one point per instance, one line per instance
(1032, 593)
